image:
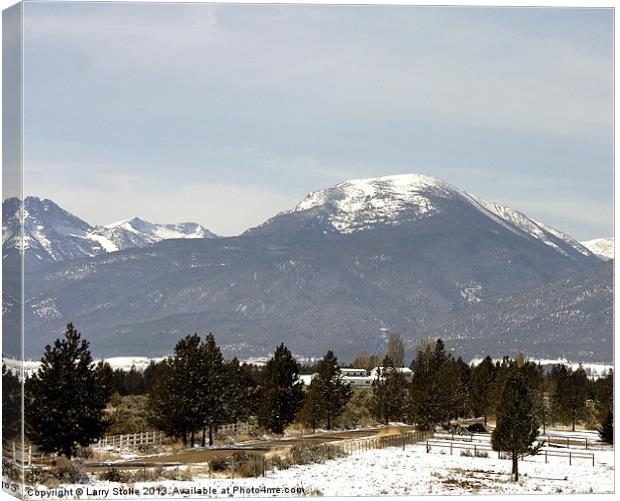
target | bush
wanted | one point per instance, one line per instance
(68, 472)
(219, 464)
(127, 415)
(113, 475)
(314, 454)
(84, 453)
(470, 454)
(146, 475)
(248, 465)
(10, 470)
(177, 474)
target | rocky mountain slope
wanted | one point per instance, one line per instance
(340, 271)
(52, 234)
(571, 318)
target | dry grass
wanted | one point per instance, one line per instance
(297, 429)
(104, 456)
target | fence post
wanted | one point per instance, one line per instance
(586, 444)
(13, 451)
(450, 448)
(545, 457)
(29, 456)
(427, 449)
(570, 458)
(475, 451)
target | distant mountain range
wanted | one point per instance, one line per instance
(52, 234)
(601, 247)
(342, 270)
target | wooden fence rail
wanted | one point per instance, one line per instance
(259, 464)
(236, 428)
(486, 449)
(120, 442)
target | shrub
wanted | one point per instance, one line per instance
(219, 464)
(470, 454)
(68, 472)
(113, 475)
(177, 474)
(84, 453)
(477, 428)
(146, 475)
(314, 454)
(248, 465)
(10, 471)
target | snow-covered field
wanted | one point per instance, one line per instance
(384, 472)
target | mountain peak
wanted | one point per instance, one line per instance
(357, 204)
(361, 204)
(601, 247)
(53, 234)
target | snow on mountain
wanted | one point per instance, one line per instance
(53, 234)
(601, 247)
(359, 204)
(139, 233)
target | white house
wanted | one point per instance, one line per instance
(354, 372)
(405, 371)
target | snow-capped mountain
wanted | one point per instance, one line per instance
(361, 204)
(340, 270)
(602, 247)
(53, 234)
(139, 233)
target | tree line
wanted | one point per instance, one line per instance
(195, 390)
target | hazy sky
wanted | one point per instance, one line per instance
(225, 115)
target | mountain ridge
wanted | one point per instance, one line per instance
(296, 279)
(53, 234)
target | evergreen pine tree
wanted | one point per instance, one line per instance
(65, 398)
(282, 392)
(239, 391)
(105, 374)
(11, 404)
(517, 424)
(334, 392)
(388, 393)
(313, 410)
(174, 404)
(606, 431)
(569, 394)
(482, 380)
(429, 392)
(604, 396)
(152, 373)
(212, 388)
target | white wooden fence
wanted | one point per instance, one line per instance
(235, 428)
(21, 455)
(120, 442)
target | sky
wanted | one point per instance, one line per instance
(227, 114)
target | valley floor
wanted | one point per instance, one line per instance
(391, 471)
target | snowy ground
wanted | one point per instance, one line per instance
(383, 472)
